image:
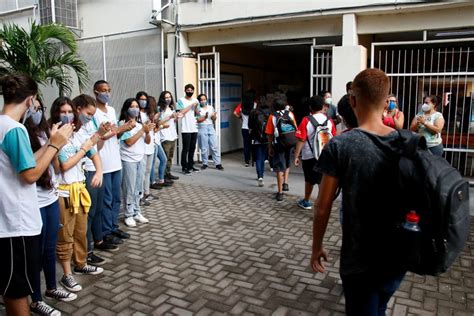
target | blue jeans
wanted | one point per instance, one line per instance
(94, 217)
(111, 202)
(160, 154)
(132, 186)
(260, 151)
(247, 145)
(437, 150)
(207, 141)
(48, 238)
(368, 294)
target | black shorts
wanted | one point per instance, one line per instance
(18, 266)
(281, 159)
(311, 175)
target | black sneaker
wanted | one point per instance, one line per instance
(41, 308)
(111, 239)
(95, 260)
(219, 167)
(286, 187)
(279, 196)
(168, 181)
(171, 177)
(106, 246)
(186, 172)
(203, 167)
(144, 202)
(121, 234)
(88, 269)
(60, 295)
(195, 169)
(156, 186)
(70, 283)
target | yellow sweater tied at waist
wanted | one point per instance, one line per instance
(78, 195)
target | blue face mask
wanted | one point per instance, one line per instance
(66, 118)
(36, 117)
(84, 119)
(133, 112)
(203, 103)
(391, 105)
(29, 112)
(142, 103)
(103, 97)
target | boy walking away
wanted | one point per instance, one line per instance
(314, 132)
(281, 133)
(363, 171)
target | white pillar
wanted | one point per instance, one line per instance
(349, 59)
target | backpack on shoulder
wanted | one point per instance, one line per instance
(322, 136)
(286, 129)
(260, 125)
(439, 195)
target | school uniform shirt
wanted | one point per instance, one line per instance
(202, 112)
(188, 122)
(245, 117)
(19, 210)
(306, 132)
(89, 129)
(76, 173)
(136, 152)
(149, 148)
(271, 123)
(47, 196)
(168, 134)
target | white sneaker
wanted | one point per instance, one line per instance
(130, 222)
(260, 182)
(141, 219)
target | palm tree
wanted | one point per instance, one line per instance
(47, 53)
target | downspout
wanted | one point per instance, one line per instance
(176, 45)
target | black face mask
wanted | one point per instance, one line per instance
(189, 94)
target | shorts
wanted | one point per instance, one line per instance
(310, 174)
(19, 265)
(281, 159)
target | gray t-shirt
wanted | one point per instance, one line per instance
(367, 176)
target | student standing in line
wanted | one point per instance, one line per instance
(39, 134)
(74, 200)
(168, 136)
(187, 106)
(112, 168)
(242, 111)
(132, 151)
(20, 218)
(207, 139)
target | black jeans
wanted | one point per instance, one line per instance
(187, 153)
(247, 142)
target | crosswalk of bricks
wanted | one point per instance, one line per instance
(209, 251)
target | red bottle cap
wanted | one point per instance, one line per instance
(412, 217)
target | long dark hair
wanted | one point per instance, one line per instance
(162, 102)
(35, 132)
(123, 112)
(151, 107)
(248, 100)
(55, 109)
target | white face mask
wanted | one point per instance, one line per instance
(328, 101)
(425, 107)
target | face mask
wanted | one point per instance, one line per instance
(168, 101)
(36, 117)
(391, 105)
(203, 103)
(84, 119)
(133, 112)
(66, 118)
(142, 103)
(328, 101)
(29, 112)
(189, 94)
(425, 107)
(103, 97)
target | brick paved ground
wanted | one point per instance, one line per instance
(211, 251)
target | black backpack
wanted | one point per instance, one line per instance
(286, 129)
(439, 195)
(259, 125)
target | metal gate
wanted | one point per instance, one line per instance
(321, 68)
(444, 68)
(209, 84)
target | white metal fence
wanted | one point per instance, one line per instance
(441, 68)
(321, 68)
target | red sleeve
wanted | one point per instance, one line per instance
(238, 109)
(333, 130)
(270, 129)
(302, 132)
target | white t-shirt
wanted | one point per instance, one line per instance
(110, 152)
(188, 122)
(208, 121)
(76, 173)
(306, 152)
(90, 129)
(47, 196)
(149, 148)
(136, 152)
(19, 210)
(168, 134)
